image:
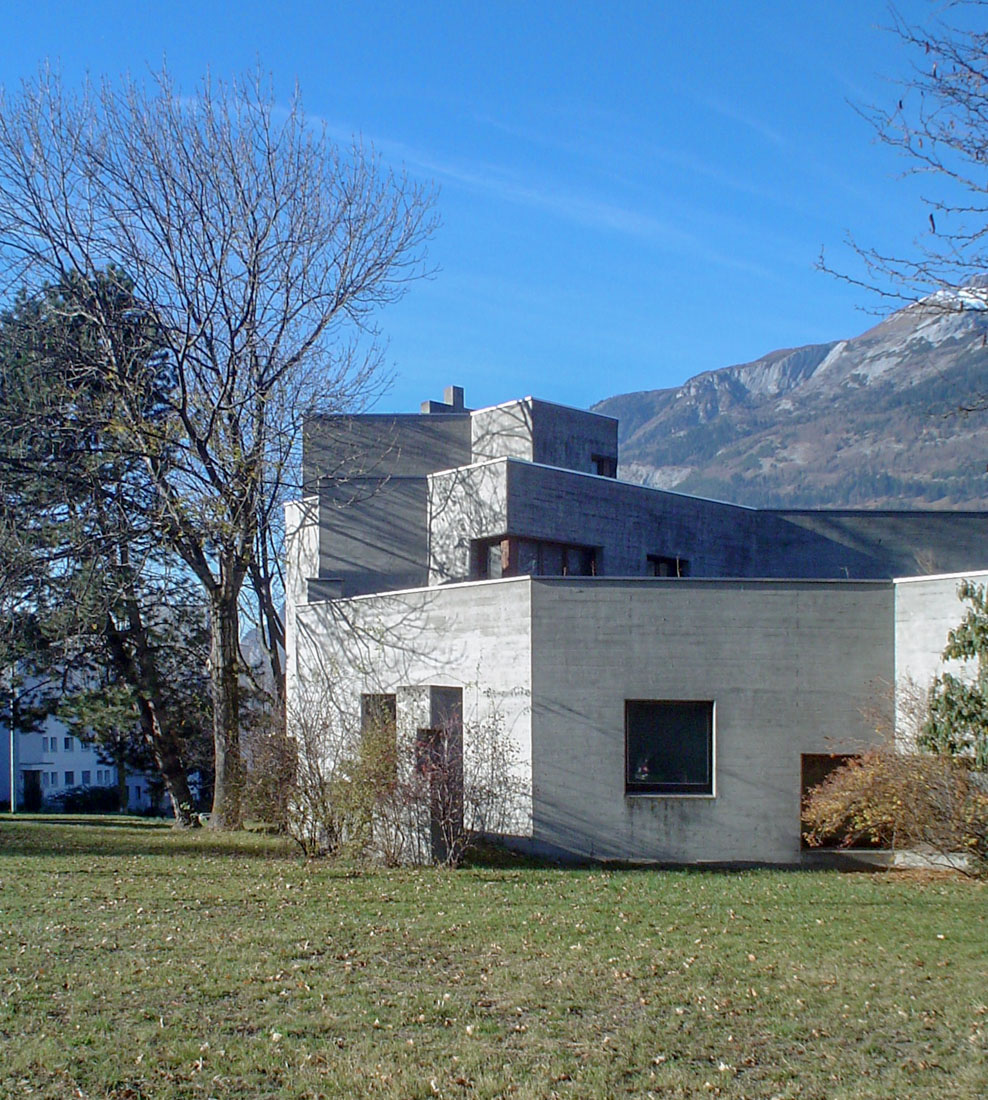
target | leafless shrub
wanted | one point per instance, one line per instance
(359, 792)
(319, 818)
(465, 783)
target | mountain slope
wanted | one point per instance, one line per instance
(867, 422)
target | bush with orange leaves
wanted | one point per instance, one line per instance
(932, 804)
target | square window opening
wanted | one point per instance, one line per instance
(669, 746)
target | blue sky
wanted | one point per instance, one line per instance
(631, 192)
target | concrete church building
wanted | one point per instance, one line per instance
(669, 669)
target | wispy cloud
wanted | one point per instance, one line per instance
(585, 210)
(730, 111)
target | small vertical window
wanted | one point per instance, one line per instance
(69, 779)
(86, 778)
(68, 746)
(604, 465)
(379, 735)
(487, 558)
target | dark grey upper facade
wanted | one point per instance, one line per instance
(529, 487)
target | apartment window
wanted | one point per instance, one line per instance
(604, 465)
(87, 778)
(70, 779)
(669, 746)
(51, 744)
(67, 745)
(44, 779)
(53, 779)
(658, 565)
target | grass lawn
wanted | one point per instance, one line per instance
(136, 961)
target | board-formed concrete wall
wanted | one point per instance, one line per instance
(626, 523)
(373, 534)
(906, 543)
(474, 637)
(926, 608)
(370, 473)
(464, 504)
(379, 445)
(791, 667)
(540, 431)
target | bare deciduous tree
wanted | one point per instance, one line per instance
(936, 119)
(260, 252)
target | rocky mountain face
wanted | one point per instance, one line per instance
(872, 422)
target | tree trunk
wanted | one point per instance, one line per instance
(169, 763)
(224, 672)
(120, 761)
(272, 629)
(138, 668)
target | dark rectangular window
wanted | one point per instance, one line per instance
(658, 565)
(378, 713)
(604, 465)
(379, 737)
(68, 744)
(487, 559)
(517, 557)
(69, 779)
(669, 746)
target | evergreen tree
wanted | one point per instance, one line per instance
(957, 724)
(97, 607)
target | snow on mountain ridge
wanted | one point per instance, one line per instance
(866, 420)
(891, 345)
